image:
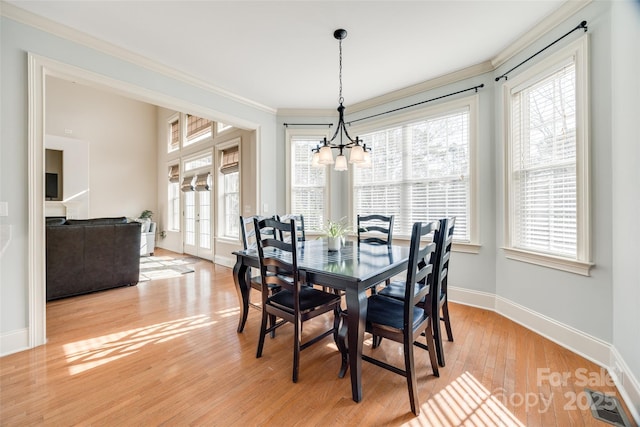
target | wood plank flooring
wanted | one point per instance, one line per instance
(166, 352)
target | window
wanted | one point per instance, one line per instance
(174, 134)
(308, 184)
(198, 129)
(230, 192)
(422, 169)
(547, 164)
(222, 127)
(173, 199)
(198, 162)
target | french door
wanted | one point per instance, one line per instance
(197, 224)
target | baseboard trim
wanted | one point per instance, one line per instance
(14, 341)
(572, 339)
(627, 384)
(223, 260)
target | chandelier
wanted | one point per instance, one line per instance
(359, 154)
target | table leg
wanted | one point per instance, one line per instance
(243, 287)
(357, 308)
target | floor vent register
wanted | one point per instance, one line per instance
(607, 408)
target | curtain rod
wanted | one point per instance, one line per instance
(583, 24)
(418, 103)
(307, 124)
(390, 111)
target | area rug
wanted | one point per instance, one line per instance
(164, 267)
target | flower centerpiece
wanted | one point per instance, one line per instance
(335, 232)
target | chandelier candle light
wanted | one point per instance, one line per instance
(360, 155)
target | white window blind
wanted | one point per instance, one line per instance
(420, 172)
(543, 164)
(308, 184)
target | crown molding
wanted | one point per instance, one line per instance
(548, 23)
(446, 79)
(20, 15)
(311, 112)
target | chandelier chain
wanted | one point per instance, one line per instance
(340, 98)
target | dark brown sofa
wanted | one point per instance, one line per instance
(91, 255)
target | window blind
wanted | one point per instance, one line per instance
(197, 128)
(230, 160)
(420, 172)
(308, 183)
(174, 135)
(203, 182)
(187, 184)
(174, 173)
(543, 164)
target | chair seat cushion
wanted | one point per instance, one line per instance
(395, 290)
(309, 298)
(389, 312)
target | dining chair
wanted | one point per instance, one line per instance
(377, 229)
(295, 303)
(300, 233)
(443, 238)
(405, 320)
(249, 241)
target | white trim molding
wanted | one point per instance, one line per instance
(627, 384)
(14, 341)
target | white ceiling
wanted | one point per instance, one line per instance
(282, 54)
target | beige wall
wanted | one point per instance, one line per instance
(121, 134)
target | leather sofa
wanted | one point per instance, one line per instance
(91, 255)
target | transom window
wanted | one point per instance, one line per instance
(198, 129)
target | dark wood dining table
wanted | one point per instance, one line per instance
(353, 269)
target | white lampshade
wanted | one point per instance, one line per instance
(357, 154)
(315, 160)
(366, 162)
(341, 163)
(325, 156)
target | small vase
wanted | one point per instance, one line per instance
(334, 243)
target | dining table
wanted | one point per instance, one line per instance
(354, 269)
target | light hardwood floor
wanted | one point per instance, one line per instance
(166, 352)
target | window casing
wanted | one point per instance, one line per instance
(308, 195)
(423, 169)
(547, 165)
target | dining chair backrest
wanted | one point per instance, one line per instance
(421, 269)
(299, 219)
(445, 235)
(278, 259)
(377, 229)
(248, 231)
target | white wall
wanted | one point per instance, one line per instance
(121, 134)
(625, 141)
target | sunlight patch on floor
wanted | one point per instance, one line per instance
(464, 402)
(91, 353)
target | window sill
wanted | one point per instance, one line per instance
(558, 263)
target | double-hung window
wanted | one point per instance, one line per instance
(230, 191)
(422, 169)
(308, 184)
(547, 166)
(173, 198)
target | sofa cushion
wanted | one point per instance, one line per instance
(97, 221)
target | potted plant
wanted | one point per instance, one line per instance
(145, 220)
(335, 232)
